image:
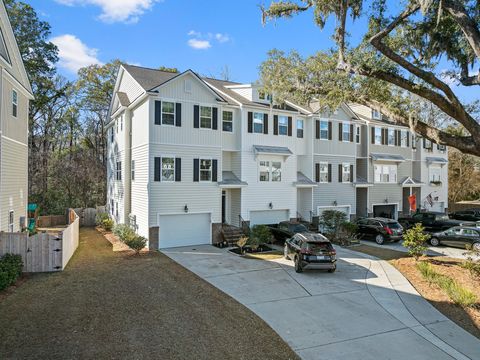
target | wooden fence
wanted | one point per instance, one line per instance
(51, 221)
(88, 215)
(43, 252)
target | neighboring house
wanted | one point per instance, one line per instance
(187, 154)
(16, 93)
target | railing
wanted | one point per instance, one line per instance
(243, 225)
(299, 216)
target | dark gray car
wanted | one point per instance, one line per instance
(457, 236)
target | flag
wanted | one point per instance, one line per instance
(430, 200)
(412, 200)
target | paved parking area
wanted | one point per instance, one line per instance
(366, 310)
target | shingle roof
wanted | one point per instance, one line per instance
(123, 98)
(149, 78)
(303, 180)
(229, 178)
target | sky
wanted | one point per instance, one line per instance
(205, 36)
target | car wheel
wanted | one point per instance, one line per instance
(332, 270)
(285, 252)
(434, 241)
(379, 239)
(476, 246)
(298, 265)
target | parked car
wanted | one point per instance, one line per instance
(433, 221)
(457, 236)
(467, 215)
(379, 229)
(286, 229)
(310, 250)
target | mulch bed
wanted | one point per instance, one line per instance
(468, 318)
(115, 305)
(249, 250)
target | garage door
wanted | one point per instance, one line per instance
(386, 211)
(268, 217)
(184, 230)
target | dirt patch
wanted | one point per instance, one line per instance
(107, 305)
(468, 318)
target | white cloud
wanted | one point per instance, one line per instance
(73, 53)
(222, 37)
(194, 33)
(199, 44)
(128, 11)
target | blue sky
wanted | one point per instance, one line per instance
(202, 35)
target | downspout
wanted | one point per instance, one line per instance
(127, 197)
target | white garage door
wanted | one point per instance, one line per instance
(265, 217)
(184, 230)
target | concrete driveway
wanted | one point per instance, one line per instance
(366, 310)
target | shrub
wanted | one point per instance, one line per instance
(136, 243)
(331, 220)
(472, 262)
(10, 269)
(259, 235)
(242, 242)
(414, 239)
(107, 224)
(124, 232)
(100, 217)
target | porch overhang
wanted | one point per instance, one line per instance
(387, 157)
(436, 160)
(303, 181)
(230, 181)
(271, 150)
(362, 183)
(409, 182)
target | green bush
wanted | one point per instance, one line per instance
(331, 221)
(242, 242)
(124, 232)
(259, 235)
(100, 217)
(472, 262)
(414, 239)
(107, 224)
(136, 243)
(10, 269)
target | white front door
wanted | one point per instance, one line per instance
(184, 230)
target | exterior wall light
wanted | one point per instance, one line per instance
(335, 203)
(185, 208)
(270, 206)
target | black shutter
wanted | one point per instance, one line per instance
(196, 116)
(329, 173)
(158, 112)
(424, 143)
(275, 124)
(196, 169)
(157, 171)
(384, 137)
(214, 118)
(340, 173)
(250, 122)
(317, 129)
(265, 123)
(214, 170)
(351, 173)
(289, 126)
(351, 132)
(340, 131)
(178, 114)
(317, 173)
(330, 132)
(408, 139)
(178, 169)
(373, 134)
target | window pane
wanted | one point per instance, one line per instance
(258, 123)
(168, 107)
(324, 130)
(378, 136)
(205, 111)
(168, 169)
(300, 124)
(205, 170)
(168, 119)
(282, 125)
(346, 172)
(323, 173)
(276, 171)
(227, 126)
(391, 137)
(227, 116)
(206, 123)
(346, 132)
(378, 173)
(264, 170)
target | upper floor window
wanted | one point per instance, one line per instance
(118, 171)
(227, 120)
(11, 217)
(276, 171)
(427, 144)
(299, 128)
(357, 134)
(345, 131)
(264, 170)
(414, 141)
(14, 103)
(378, 136)
(282, 125)
(258, 123)
(121, 123)
(270, 171)
(133, 170)
(346, 174)
(323, 129)
(112, 134)
(435, 174)
(403, 138)
(168, 113)
(168, 169)
(116, 125)
(205, 117)
(391, 136)
(441, 148)
(205, 170)
(324, 172)
(264, 96)
(385, 173)
(376, 114)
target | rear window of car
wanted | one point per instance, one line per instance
(315, 246)
(442, 217)
(394, 225)
(298, 228)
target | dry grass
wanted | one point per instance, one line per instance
(109, 305)
(272, 255)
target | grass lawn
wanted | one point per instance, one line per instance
(115, 305)
(468, 318)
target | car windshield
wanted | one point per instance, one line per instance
(316, 246)
(298, 228)
(394, 225)
(441, 217)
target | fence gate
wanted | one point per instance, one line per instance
(89, 215)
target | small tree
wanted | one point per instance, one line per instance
(107, 224)
(136, 243)
(331, 221)
(415, 239)
(259, 235)
(242, 242)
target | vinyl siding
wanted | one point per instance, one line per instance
(231, 140)
(235, 205)
(379, 192)
(15, 128)
(304, 202)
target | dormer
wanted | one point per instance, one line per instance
(252, 93)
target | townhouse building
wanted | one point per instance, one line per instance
(187, 154)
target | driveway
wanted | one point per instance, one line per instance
(366, 310)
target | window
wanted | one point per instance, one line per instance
(112, 207)
(346, 131)
(378, 136)
(414, 141)
(376, 114)
(112, 134)
(441, 148)
(264, 171)
(357, 135)
(270, 171)
(168, 169)
(299, 128)
(205, 170)
(324, 172)
(385, 173)
(168, 113)
(403, 138)
(391, 136)
(205, 117)
(14, 103)
(227, 118)
(427, 144)
(133, 170)
(116, 209)
(121, 123)
(346, 175)
(118, 172)
(435, 175)
(10, 221)
(116, 125)
(323, 130)
(282, 125)
(258, 123)
(264, 96)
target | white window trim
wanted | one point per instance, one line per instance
(346, 165)
(406, 133)
(279, 126)
(270, 170)
(200, 117)
(302, 128)
(325, 172)
(200, 170)
(377, 115)
(259, 170)
(262, 120)
(430, 173)
(174, 113)
(382, 174)
(347, 125)
(388, 136)
(229, 111)
(167, 156)
(118, 171)
(328, 135)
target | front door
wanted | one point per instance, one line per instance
(224, 206)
